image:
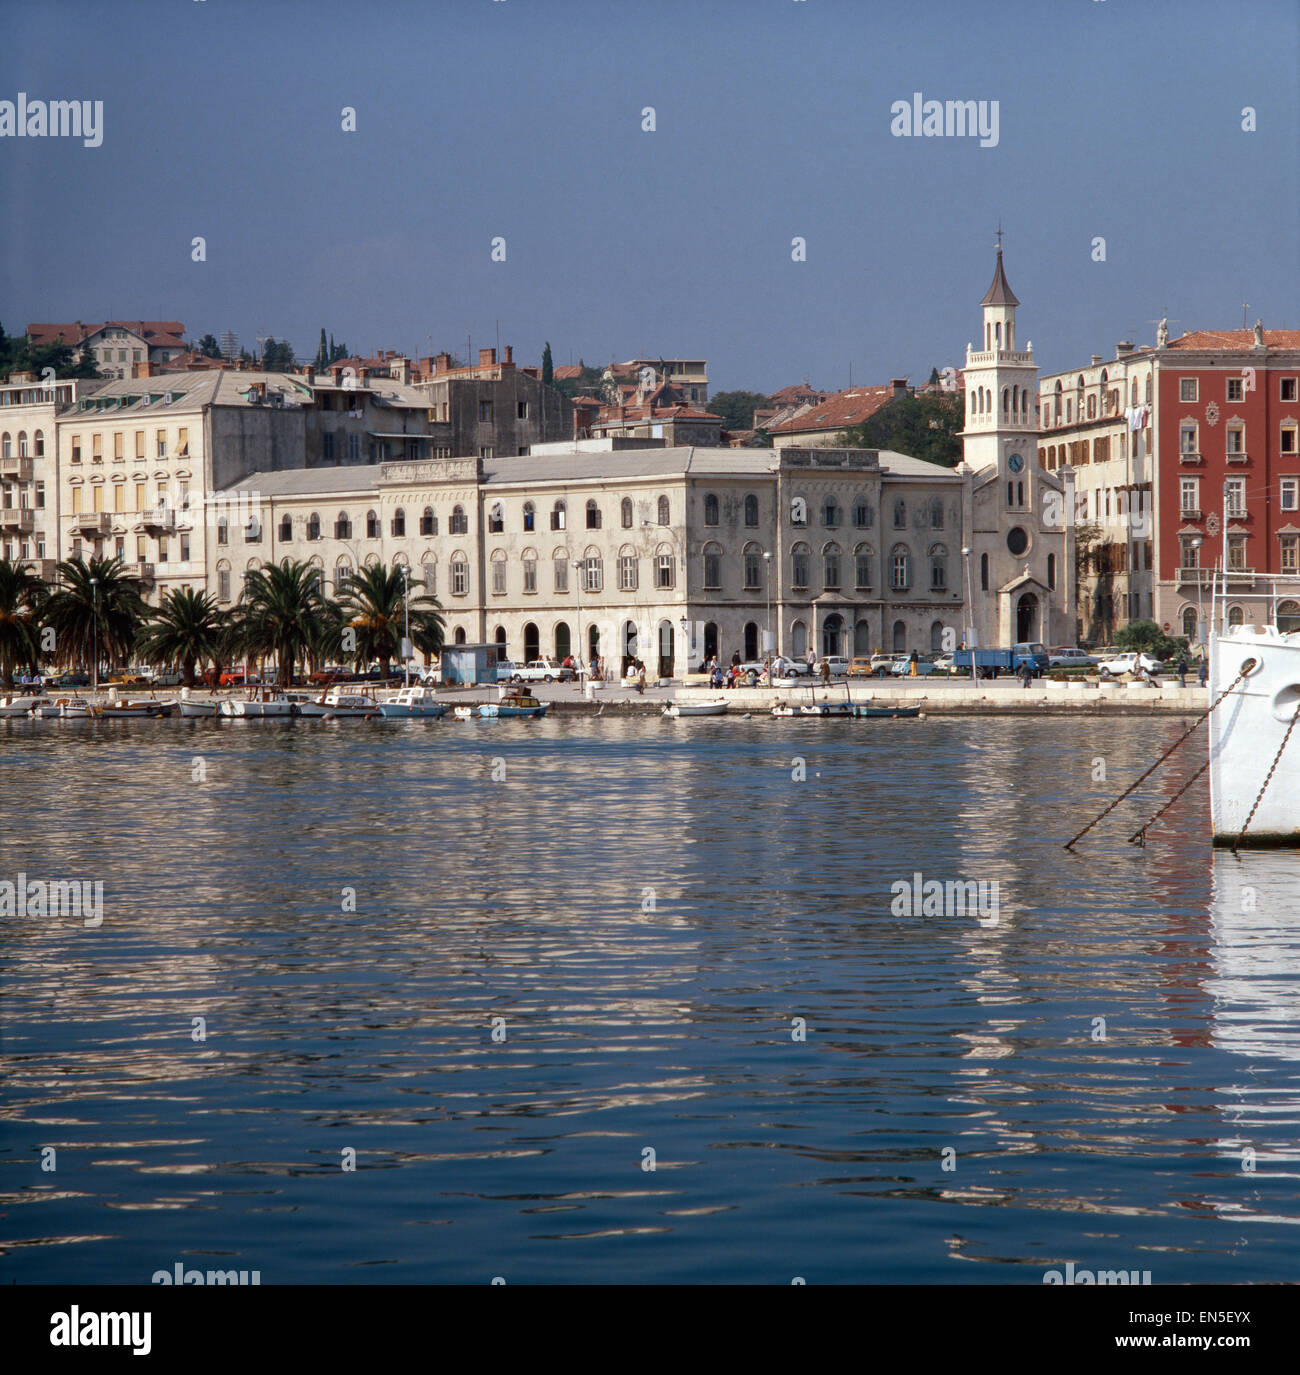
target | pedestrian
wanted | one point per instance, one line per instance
(812, 658)
(1203, 671)
(1026, 674)
(825, 670)
(912, 662)
(640, 679)
(1182, 670)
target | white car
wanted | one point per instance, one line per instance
(1071, 658)
(1129, 663)
(540, 671)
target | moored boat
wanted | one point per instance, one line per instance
(22, 704)
(199, 706)
(75, 709)
(340, 704)
(412, 702)
(260, 703)
(125, 710)
(885, 713)
(515, 702)
(716, 706)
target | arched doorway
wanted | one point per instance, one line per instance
(751, 641)
(666, 649)
(1027, 618)
(630, 654)
(593, 642)
(459, 637)
(532, 643)
(799, 640)
(862, 639)
(833, 635)
(500, 638)
(562, 643)
(710, 639)
(900, 637)
(1189, 621)
(936, 637)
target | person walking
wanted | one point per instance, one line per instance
(1203, 671)
(640, 680)
(1026, 674)
(1182, 670)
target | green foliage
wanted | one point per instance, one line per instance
(737, 408)
(548, 366)
(22, 595)
(283, 609)
(185, 630)
(1151, 639)
(926, 427)
(112, 602)
(322, 359)
(19, 354)
(208, 346)
(277, 357)
(372, 603)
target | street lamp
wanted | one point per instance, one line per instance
(1195, 544)
(582, 649)
(767, 588)
(970, 613)
(406, 638)
(94, 636)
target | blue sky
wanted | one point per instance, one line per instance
(522, 119)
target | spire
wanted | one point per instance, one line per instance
(1000, 293)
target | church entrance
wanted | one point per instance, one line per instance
(1027, 618)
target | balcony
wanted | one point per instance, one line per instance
(1237, 456)
(15, 469)
(18, 519)
(160, 520)
(96, 524)
(1195, 577)
(1190, 513)
(1186, 456)
(145, 572)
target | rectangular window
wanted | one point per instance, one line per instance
(594, 572)
(182, 441)
(1236, 391)
(117, 496)
(1237, 553)
(97, 448)
(1187, 389)
(530, 575)
(1288, 439)
(161, 436)
(498, 576)
(901, 573)
(1187, 439)
(354, 448)
(97, 496)
(1190, 500)
(327, 445)
(1235, 439)
(76, 448)
(140, 499)
(459, 578)
(485, 412)
(713, 571)
(223, 585)
(162, 549)
(1291, 493)
(1190, 551)
(627, 573)
(561, 566)
(862, 571)
(664, 571)
(185, 549)
(139, 445)
(1291, 553)
(521, 411)
(1234, 496)
(1287, 389)
(76, 501)
(117, 447)
(40, 496)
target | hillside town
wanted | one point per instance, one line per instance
(531, 501)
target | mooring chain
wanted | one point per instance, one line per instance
(1268, 778)
(1139, 837)
(1245, 669)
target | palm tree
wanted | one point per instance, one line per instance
(21, 596)
(97, 605)
(186, 630)
(283, 609)
(372, 601)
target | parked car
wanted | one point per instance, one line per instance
(1128, 663)
(165, 677)
(506, 670)
(128, 680)
(233, 677)
(1070, 656)
(839, 665)
(860, 667)
(902, 666)
(69, 680)
(541, 670)
(943, 663)
(428, 676)
(882, 665)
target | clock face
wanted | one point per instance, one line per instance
(1015, 463)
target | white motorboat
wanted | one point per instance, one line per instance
(75, 709)
(22, 704)
(412, 702)
(1254, 738)
(714, 706)
(120, 710)
(463, 713)
(340, 704)
(199, 706)
(49, 709)
(261, 702)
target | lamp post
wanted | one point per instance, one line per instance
(1195, 544)
(582, 648)
(767, 589)
(686, 644)
(94, 636)
(970, 613)
(406, 638)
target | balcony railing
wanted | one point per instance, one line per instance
(16, 469)
(1190, 512)
(1188, 456)
(159, 520)
(94, 522)
(1238, 456)
(144, 571)
(19, 518)
(1195, 577)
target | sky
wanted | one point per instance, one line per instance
(522, 120)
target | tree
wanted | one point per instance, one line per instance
(926, 427)
(277, 357)
(208, 346)
(322, 359)
(372, 601)
(548, 366)
(21, 596)
(85, 614)
(1148, 637)
(737, 408)
(185, 629)
(282, 607)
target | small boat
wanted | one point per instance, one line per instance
(49, 709)
(340, 704)
(199, 706)
(826, 709)
(715, 706)
(514, 702)
(411, 702)
(22, 704)
(891, 713)
(75, 709)
(463, 713)
(262, 702)
(125, 710)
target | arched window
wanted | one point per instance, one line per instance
(498, 572)
(751, 511)
(831, 567)
(984, 572)
(1006, 402)
(938, 568)
(1236, 616)
(496, 521)
(936, 637)
(428, 522)
(900, 568)
(593, 516)
(6, 446)
(1189, 612)
(862, 567)
(458, 525)
(530, 516)
(286, 529)
(313, 526)
(40, 443)
(799, 565)
(343, 526)
(798, 639)
(22, 443)
(1058, 402)
(593, 570)
(459, 574)
(936, 513)
(372, 524)
(429, 573)
(753, 558)
(1288, 617)
(398, 525)
(900, 637)
(625, 512)
(663, 511)
(900, 514)
(342, 571)
(710, 509)
(712, 558)
(862, 513)
(559, 515)
(223, 531)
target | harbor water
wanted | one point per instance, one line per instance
(638, 1000)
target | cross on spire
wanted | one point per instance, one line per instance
(999, 245)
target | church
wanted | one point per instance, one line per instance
(1018, 518)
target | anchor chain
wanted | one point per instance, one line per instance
(1139, 837)
(1268, 778)
(1200, 720)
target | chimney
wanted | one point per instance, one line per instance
(363, 377)
(309, 375)
(1096, 358)
(509, 355)
(487, 358)
(336, 373)
(442, 363)
(1124, 346)
(899, 386)
(402, 371)
(145, 369)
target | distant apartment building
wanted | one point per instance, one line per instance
(1206, 478)
(116, 345)
(818, 422)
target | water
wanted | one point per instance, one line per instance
(647, 905)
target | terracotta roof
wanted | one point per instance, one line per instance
(1000, 293)
(844, 408)
(192, 362)
(1236, 339)
(158, 333)
(797, 392)
(567, 372)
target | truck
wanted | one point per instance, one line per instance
(990, 662)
